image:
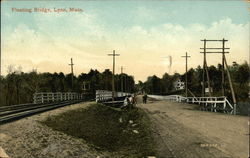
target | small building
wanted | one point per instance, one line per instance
(86, 86)
(179, 85)
(207, 90)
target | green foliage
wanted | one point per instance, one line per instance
(101, 127)
(18, 87)
(156, 85)
(239, 73)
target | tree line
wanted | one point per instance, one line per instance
(18, 87)
(239, 73)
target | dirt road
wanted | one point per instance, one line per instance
(182, 131)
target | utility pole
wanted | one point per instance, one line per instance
(224, 63)
(0, 75)
(205, 69)
(0, 63)
(231, 86)
(113, 76)
(217, 50)
(186, 86)
(125, 88)
(121, 79)
(203, 72)
(223, 73)
(72, 73)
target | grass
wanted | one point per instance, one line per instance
(101, 126)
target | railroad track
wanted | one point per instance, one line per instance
(15, 112)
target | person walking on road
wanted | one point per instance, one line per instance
(145, 97)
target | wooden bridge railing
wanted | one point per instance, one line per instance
(213, 103)
(102, 95)
(45, 97)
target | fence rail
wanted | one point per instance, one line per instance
(103, 95)
(46, 97)
(212, 103)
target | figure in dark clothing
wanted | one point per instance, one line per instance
(145, 97)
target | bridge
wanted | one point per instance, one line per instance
(42, 102)
(214, 104)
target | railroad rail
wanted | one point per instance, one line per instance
(15, 112)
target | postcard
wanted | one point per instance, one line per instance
(124, 79)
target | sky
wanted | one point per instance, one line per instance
(144, 33)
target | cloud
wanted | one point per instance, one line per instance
(149, 46)
(88, 41)
(142, 13)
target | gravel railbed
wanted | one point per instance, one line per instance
(28, 138)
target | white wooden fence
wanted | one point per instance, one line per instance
(215, 103)
(102, 95)
(45, 97)
(176, 98)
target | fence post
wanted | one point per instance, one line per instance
(224, 104)
(235, 109)
(53, 97)
(215, 104)
(34, 98)
(42, 97)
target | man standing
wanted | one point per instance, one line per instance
(145, 99)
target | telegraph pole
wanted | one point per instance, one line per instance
(0, 63)
(125, 88)
(216, 50)
(224, 63)
(203, 72)
(113, 76)
(223, 73)
(72, 73)
(186, 86)
(0, 71)
(121, 79)
(205, 68)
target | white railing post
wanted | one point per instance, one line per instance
(42, 98)
(224, 104)
(53, 97)
(235, 109)
(34, 98)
